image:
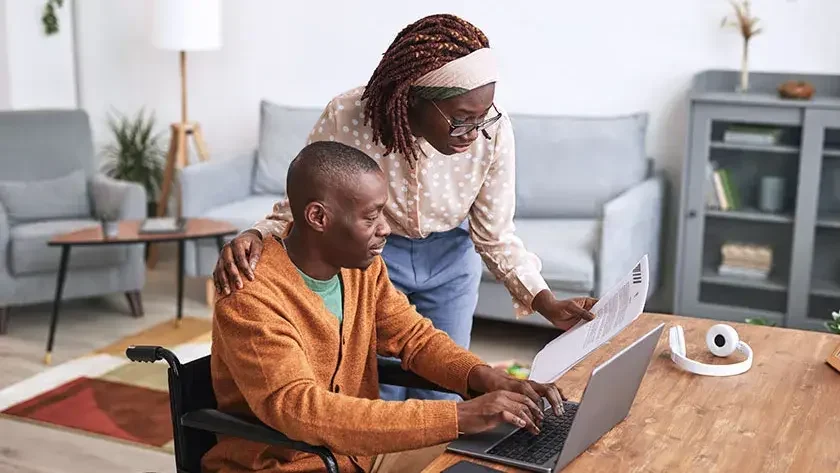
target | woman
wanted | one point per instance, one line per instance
(427, 117)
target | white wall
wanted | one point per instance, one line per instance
(37, 71)
(557, 56)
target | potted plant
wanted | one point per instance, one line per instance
(833, 326)
(136, 153)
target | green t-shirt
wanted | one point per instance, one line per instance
(329, 291)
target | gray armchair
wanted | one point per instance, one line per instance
(48, 186)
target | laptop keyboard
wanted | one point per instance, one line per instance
(537, 449)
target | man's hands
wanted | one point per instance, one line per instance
(240, 254)
(488, 411)
(510, 400)
(566, 313)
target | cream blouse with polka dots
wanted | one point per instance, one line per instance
(440, 192)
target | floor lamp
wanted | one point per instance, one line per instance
(182, 26)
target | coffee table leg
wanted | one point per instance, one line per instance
(180, 280)
(59, 288)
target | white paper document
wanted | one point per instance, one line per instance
(614, 311)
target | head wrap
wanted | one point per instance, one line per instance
(458, 77)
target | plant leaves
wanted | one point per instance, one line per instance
(135, 154)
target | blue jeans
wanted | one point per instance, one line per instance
(440, 275)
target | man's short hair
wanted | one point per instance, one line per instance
(322, 166)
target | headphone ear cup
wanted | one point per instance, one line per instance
(722, 340)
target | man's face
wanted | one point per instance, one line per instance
(356, 233)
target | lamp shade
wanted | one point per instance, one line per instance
(187, 25)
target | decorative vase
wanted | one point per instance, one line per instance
(110, 228)
(745, 69)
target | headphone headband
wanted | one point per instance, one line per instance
(721, 340)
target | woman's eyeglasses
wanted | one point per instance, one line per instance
(461, 129)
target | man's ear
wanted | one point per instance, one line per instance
(316, 216)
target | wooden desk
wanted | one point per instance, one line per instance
(781, 416)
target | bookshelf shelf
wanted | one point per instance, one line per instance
(752, 215)
(780, 149)
(831, 153)
(825, 288)
(829, 221)
(747, 152)
(711, 276)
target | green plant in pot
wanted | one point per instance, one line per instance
(136, 153)
(833, 326)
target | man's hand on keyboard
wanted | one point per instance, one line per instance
(484, 379)
(489, 410)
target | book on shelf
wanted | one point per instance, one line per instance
(722, 193)
(745, 260)
(749, 273)
(748, 135)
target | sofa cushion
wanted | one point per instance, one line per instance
(283, 132)
(30, 254)
(63, 197)
(566, 249)
(571, 166)
(244, 213)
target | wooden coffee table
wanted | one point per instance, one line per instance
(194, 229)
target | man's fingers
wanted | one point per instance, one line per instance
(580, 312)
(555, 399)
(534, 396)
(512, 419)
(520, 402)
(240, 257)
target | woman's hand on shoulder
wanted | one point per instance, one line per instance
(238, 256)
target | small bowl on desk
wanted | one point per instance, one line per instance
(796, 89)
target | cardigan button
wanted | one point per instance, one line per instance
(336, 388)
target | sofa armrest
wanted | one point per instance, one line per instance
(212, 183)
(6, 286)
(631, 227)
(121, 199)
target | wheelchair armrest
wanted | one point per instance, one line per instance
(390, 372)
(212, 420)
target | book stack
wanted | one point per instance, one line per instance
(722, 193)
(746, 260)
(752, 135)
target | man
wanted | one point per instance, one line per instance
(298, 346)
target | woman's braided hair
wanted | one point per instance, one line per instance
(418, 49)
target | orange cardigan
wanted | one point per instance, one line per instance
(279, 355)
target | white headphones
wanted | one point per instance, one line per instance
(722, 340)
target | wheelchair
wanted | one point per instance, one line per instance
(196, 420)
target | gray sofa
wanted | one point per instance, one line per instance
(588, 203)
(49, 185)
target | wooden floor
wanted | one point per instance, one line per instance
(91, 324)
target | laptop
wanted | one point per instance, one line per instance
(606, 401)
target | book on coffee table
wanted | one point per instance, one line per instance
(162, 225)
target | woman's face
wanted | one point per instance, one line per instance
(433, 122)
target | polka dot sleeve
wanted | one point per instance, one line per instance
(492, 227)
(275, 223)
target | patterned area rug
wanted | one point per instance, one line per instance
(107, 395)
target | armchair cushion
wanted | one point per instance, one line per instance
(244, 213)
(117, 198)
(63, 197)
(566, 248)
(571, 166)
(30, 253)
(283, 132)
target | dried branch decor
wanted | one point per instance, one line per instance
(746, 24)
